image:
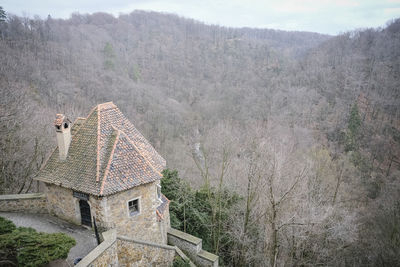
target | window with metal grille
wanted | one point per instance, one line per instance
(133, 207)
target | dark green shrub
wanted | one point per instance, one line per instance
(6, 226)
(26, 247)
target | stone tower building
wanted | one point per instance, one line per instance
(103, 169)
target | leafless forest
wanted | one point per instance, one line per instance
(304, 126)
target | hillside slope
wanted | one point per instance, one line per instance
(321, 113)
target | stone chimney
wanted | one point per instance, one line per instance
(63, 132)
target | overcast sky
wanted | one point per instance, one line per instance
(323, 16)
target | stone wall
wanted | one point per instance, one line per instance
(205, 258)
(140, 253)
(164, 224)
(31, 203)
(111, 212)
(98, 207)
(105, 254)
(63, 204)
(108, 257)
(192, 247)
(143, 226)
(122, 251)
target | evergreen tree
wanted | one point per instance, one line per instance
(25, 247)
(108, 56)
(6, 226)
(353, 129)
(3, 16)
(355, 120)
(191, 212)
(3, 22)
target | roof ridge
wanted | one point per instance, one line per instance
(127, 138)
(137, 149)
(109, 161)
(91, 111)
(106, 105)
(98, 146)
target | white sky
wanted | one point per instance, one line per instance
(323, 16)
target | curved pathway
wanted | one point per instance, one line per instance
(85, 238)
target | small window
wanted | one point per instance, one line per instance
(159, 192)
(133, 207)
(65, 125)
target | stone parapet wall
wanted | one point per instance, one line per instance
(192, 247)
(31, 203)
(123, 251)
(188, 243)
(180, 253)
(105, 254)
(205, 258)
(140, 253)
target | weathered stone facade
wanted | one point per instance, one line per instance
(31, 203)
(131, 253)
(108, 257)
(98, 207)
(105, 254)
(164, 224)
(112, 211)
(142, 226)
(122, 251)
(63, 204)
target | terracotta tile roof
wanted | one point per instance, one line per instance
(107, 155)
(126, 166)
(163, 206)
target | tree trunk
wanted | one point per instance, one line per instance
(274, 237)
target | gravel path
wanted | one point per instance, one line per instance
(85, 238)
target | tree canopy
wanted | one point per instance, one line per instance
(21, 246)
(287, 143)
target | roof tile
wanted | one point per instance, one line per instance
(107, 155)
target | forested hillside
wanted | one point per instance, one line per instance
(304, 127)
